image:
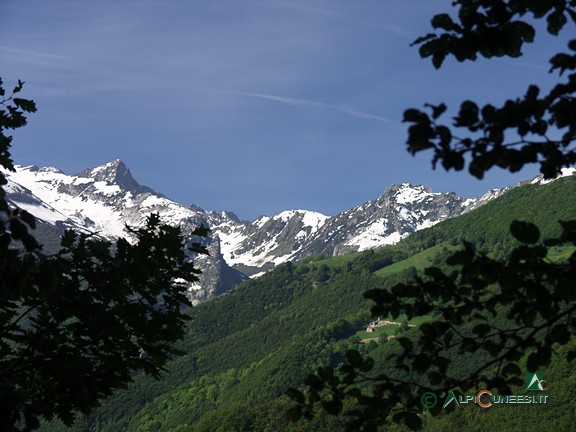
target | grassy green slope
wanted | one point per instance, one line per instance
(247, 347)
(487, 226)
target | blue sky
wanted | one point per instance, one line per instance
(244, 105)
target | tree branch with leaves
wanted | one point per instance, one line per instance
(77, 325)
(503, 311)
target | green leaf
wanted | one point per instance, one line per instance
(569, 230)
(556, 20)
(413, 421)
(453, 159)
(525, 232)
(443, 21)
(437, 59)
(201, 231)
(354, 358)
(561, 334)
(435, 378)
(18, 87)
(512, 369)
(405, 290)
(333, 407)
(28, 218)
(405, 343)
(535, 360)
(481, 329)
(572, 14)
(295, 395)
(367, 365)
(468, 114)
(25, 104)
(294, 414)
(414, 116)
(437, 110)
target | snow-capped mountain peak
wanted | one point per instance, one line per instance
(91, 201)
(408, 194)
(105, 198)
(115, 173)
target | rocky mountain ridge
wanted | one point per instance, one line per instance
(105, 198)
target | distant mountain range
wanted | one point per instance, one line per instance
(105, 198)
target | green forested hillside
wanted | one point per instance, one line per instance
(246, 348)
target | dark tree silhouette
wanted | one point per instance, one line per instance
(77, 325)
(531, 297)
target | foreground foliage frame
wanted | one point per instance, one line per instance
(513, 310)
(77, 325)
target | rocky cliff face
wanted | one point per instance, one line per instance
(216, 278)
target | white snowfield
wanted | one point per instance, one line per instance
(91, 214)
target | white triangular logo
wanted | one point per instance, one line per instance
(535, 380)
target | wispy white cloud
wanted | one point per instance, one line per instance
(325, 12)
(30, 53)
(313, 104)
(40, 58)
(399, 31)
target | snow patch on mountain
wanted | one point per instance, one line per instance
(24, 199)
(268, 240)
(376, 234)
(49, 184)
(564, 172)
(309, 218)
(408, 194)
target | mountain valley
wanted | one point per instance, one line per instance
(244, 350)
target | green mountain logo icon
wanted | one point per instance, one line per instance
(451, 397)
(534, 381)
